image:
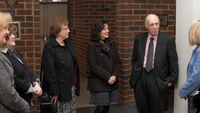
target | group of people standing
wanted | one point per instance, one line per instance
(17, 83)
(154, 68)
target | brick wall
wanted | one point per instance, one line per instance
(130, 18)
(126, 20)
(83, 14)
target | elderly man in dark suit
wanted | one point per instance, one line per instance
(155, 66)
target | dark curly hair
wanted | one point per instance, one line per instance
(12, 30)
(97, 28)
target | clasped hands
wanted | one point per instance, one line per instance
(37, 91)
(112, 80)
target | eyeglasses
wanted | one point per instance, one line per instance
(67, 28)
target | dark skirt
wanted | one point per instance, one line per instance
(103, 98)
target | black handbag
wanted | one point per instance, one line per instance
(46, 106)
(196, 102)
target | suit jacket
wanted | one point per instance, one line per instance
(60, 69)
(10, 101)
(24, 77)
(102, 64)
(165, 60)
(193, 75)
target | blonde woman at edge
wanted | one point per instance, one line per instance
(10, 101)
(192, 84)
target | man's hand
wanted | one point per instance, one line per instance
(169, 84)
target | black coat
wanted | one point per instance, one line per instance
(60, 71)
(102, 64)
(24, 76)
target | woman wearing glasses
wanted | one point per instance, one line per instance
(61, 74)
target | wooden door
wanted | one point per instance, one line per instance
(48, 12)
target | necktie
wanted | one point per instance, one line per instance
(14, 55)
(150, 56)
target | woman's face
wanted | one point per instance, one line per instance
(104, 32)
(11, 41)
(3, 34)
(64, 33)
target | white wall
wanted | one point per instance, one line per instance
(186, 12)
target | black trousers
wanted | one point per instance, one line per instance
(147, 95)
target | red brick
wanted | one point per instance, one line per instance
(24, 12)
(168, 1)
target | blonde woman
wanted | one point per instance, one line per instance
(193, 69)
(10, 101)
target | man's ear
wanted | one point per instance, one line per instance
(145, 25)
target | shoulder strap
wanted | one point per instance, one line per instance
(41, 68)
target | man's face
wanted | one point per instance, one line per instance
(152, 25)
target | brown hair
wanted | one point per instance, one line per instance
(12, 29)
(56, 25)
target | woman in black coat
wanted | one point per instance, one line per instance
(104, 64)
(61, 73)
(25, 80)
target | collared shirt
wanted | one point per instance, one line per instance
(146, 49)
(5, 50)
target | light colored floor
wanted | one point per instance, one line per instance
(83, 99)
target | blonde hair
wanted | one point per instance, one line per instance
(194, 33)
(5, 19)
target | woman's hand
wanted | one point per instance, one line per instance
(182, 97)
(37, 89)
(112, 80)
(54, 99)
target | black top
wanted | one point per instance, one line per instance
(60, 69)
(24, 76)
